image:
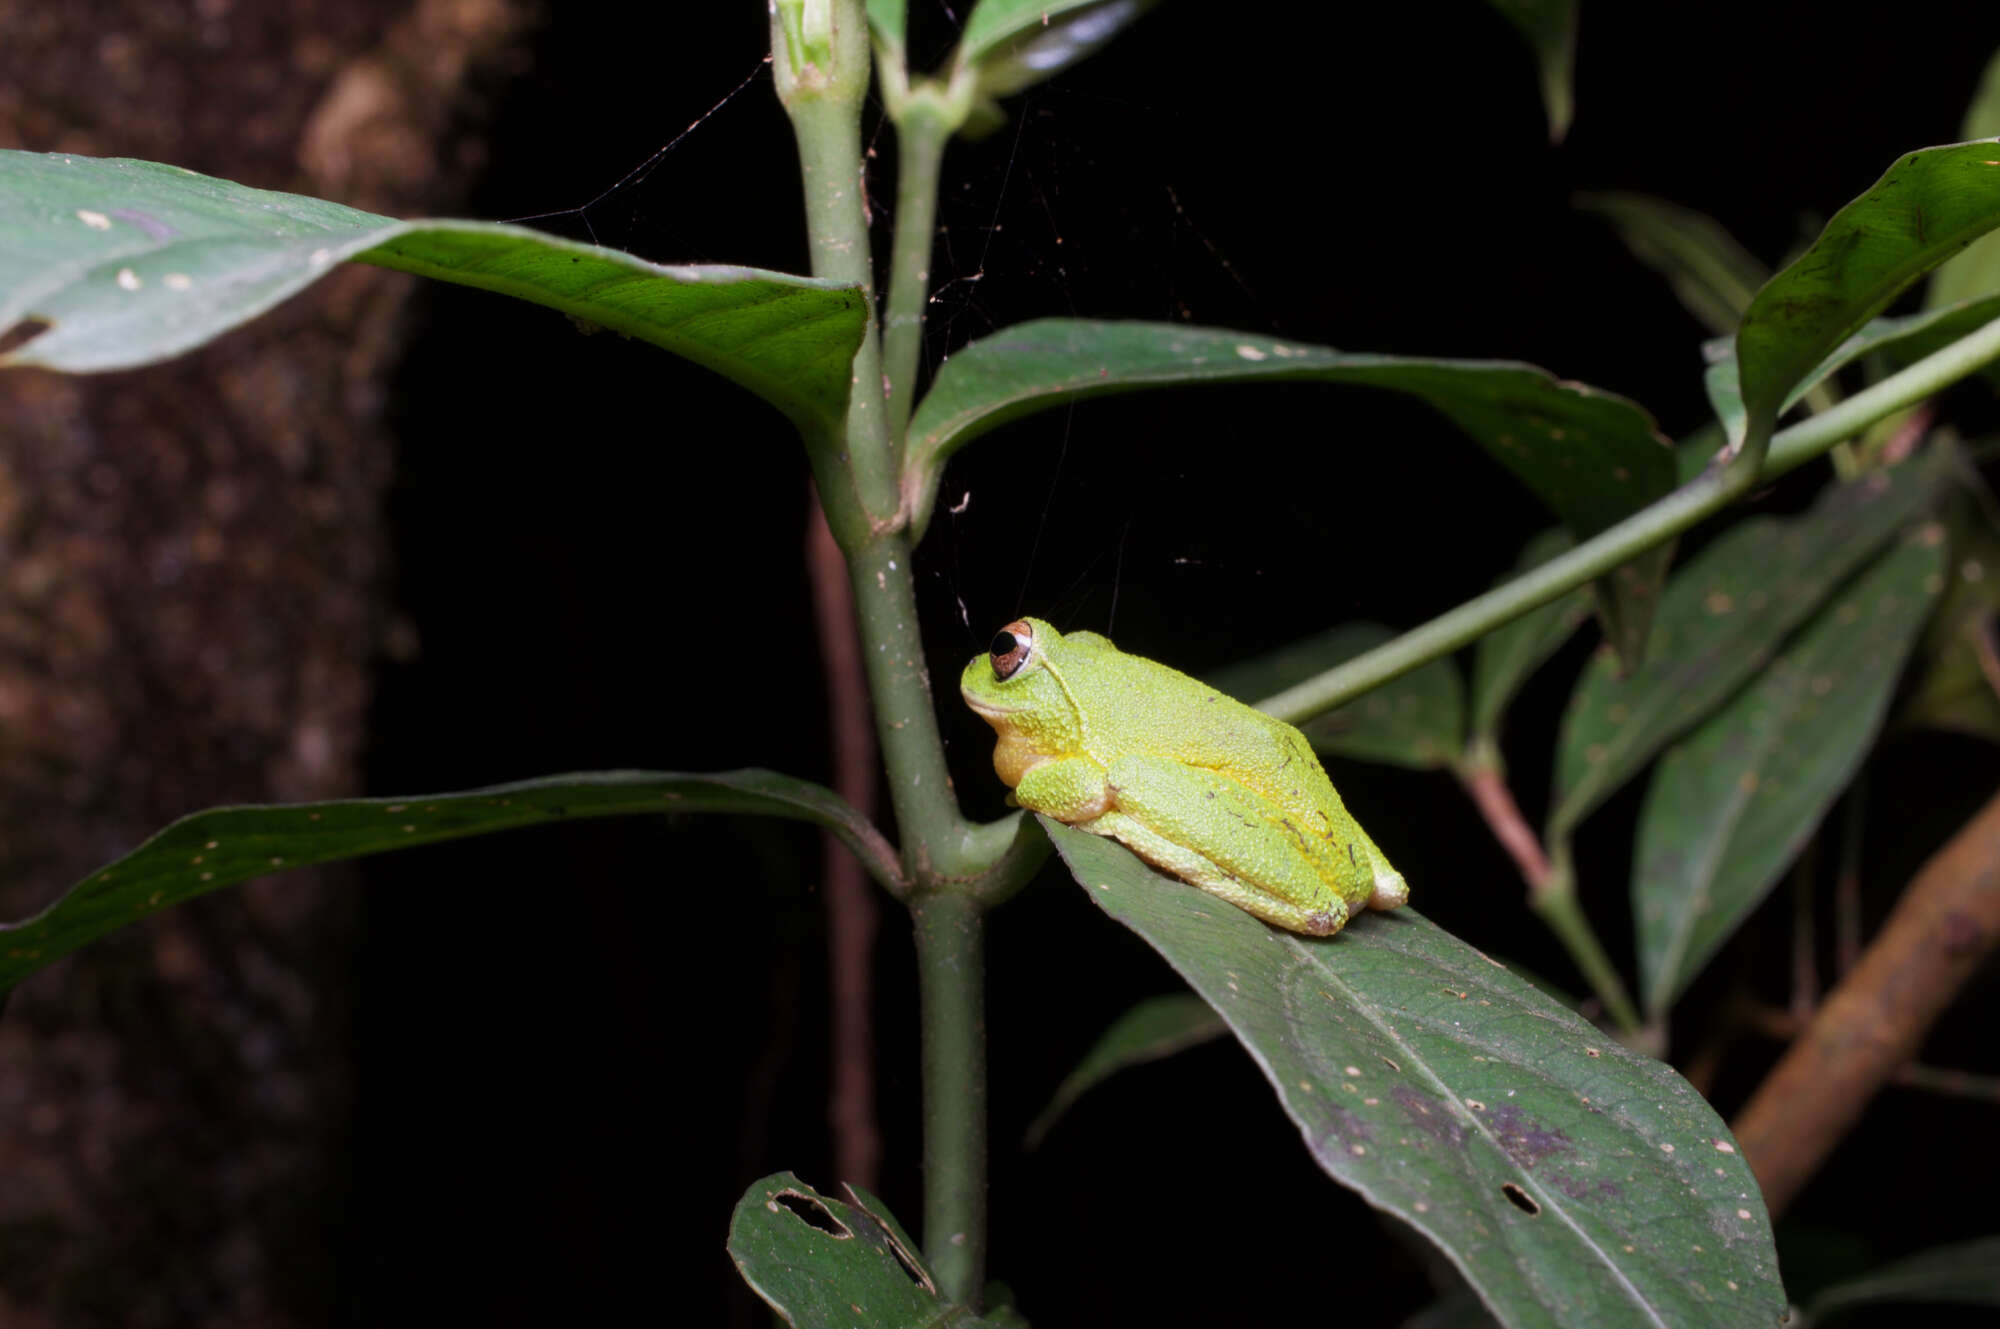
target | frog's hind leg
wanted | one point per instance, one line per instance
(1248, 856)
(1196, 870)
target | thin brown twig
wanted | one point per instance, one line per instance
(1805, 969)
(852, 913)
(1946, 923)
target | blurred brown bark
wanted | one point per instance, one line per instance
(192, 588)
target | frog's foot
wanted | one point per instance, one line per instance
(1390, 890)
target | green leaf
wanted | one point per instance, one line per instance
(1155, 1028)
(1510, 654)
(1571, 1181)
(1964, 1274)
(1733, 803)
(823, 1263)
(1014, 44)
(1415, 720)
(1976, 272)
(1901, 341)
(1714, 277)
(1927, 207)
(1721, 619)
(132, 262)
(223, 846)
(1955, 689)
(1550, 27)
(1593, 457)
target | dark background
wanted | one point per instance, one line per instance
(578, 1046)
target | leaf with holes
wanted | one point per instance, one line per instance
(1416, 719)
(1722, 617)
(1550, 28)
(125, 263)
(823, 1263)
(1964, 1274)
(224, 846)
(1571, 1181)
(1714, 277)
(1510, 654)
(1733, 803)
(1593, 457)
(1157, 1027)
(1925, 208)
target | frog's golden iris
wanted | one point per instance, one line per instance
(1196, 783)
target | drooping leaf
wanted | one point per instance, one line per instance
(224, 846)
(1925, 208)
(1900, 341)
(1550, 27)
(131, 262)
(823, 1263)
(1721, 619)
(1510, 654)
(1965, 1274)
(1976, 272)
(1733, 803)
(1571, 1181)
(1014, 44)
(1712, 275)
(1958, 687)
(1593, 457)
(1157, 1027)
(1415, 720)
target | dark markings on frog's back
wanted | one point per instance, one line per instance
(1350, 855)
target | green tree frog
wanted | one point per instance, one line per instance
(1196, 783)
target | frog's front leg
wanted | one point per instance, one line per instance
(1215, 833)
(1070, 789)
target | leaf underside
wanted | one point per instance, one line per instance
(124, 263)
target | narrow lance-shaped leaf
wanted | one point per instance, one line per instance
(1721, 619)
(223, 846)
(1157, 1027)
(1550, 27)
(1415, 720)
(1571, 1181)
(1924, 209)
(1964, 1274)
(1593, 457)
(1014, 44)
(131, 262)
(1510, 654)
(1976, 272)
(1733, 803)
(1713, 276)
(823, 1263)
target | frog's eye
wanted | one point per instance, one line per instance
(1012, 646)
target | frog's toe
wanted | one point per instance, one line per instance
(1326, 922)
(1390, 890)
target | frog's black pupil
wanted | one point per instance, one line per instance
(1004, 644)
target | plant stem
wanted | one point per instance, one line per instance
(1708, 493)
(824, 105)
(951, 971)
(1556, 902)
(921, 136)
